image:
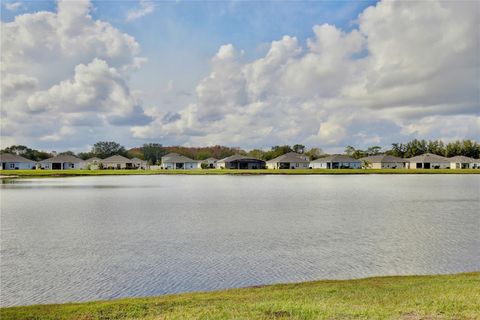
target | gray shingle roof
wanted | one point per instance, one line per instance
(429, 158)
(177, 158)
(463, 159)
(237, 157)
(63, 158)
(383, 158)
(93, 159)
(290, 157)
(8, 157)
(116, 159)
(336, 158)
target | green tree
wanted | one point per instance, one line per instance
(349, 150)
(299, 148)
(371, 151)
(315, 153)
(153, 152)
(105, 149)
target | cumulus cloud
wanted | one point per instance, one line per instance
(145, 7)
(63, 69)
(407, 70)
(13, 6)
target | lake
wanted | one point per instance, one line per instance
(89, 238)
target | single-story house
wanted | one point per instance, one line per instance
(428, 161)
(93, 163)
(336, 161)
(463, 162)
(291, 160)
(139, 163)
(63, 162)
(210, 163)
(238, 161)
(117, 162)
(179, 162)
(383, 161)
(14, 162)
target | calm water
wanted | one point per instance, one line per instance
(75, 239)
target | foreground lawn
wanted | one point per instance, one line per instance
(64, 173)
(404, 297)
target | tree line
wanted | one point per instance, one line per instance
(153, 152)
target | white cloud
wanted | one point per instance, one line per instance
(13, 6)
(408, 70)
(145, 7)
(61, 70)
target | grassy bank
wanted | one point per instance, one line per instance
(65, 173)
(404, 297)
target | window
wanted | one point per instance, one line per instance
(12, 165)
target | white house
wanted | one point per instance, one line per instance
(15, 162)
(117, 162)
(383, 161)
(291, 160)
(336, 161)
(178, 162)
(428, 161)
(462, 162)
(238, 161)
(211, 163)
(63, 162)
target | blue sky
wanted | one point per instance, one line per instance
(333, 61)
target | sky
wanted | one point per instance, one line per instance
(249, 74)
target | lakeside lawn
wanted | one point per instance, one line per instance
(65, 173)
(401, 297)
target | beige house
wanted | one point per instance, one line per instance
(117, 162)
(176, 161)
(14, 162)
(238, 161)
(383, 161)
(428, 161)
(139, 163)
(336, 161)
(63, 162)
(291, 160)
(462, 162)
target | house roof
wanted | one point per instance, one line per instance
(237, 157)
(463, 159)
(383, 158)
(8, 157)
(429, 157)
(116, 159)
(336, 158)
(63, 158)
(290, 157)
(136, 159)
(93, 159)
(177, 158)
(211, 159)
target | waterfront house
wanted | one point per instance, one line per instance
(463, 162)
(210, 163)
(428, 161)
(15, 162)
(238, 161)
(336, 161)
(383, 161)
(139, 163)
(117, 162)
(291, 160)
(63, 162)
(179, 162)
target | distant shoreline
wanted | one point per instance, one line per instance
(455, 296)
(11, 174)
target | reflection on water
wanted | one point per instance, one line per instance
(85, 238)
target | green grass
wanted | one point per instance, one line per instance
(403, 297)
(64, 173)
